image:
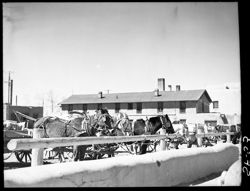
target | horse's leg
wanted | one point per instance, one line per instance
(76, 153)
(79, 152)
(189, 143)
(82, 151)
(144, 147)
(176, 145)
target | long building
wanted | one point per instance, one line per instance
(184, 105)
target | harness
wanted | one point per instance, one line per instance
(148, 126)
(44, 123)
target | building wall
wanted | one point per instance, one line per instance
(35, 112)
(203, 101)
(148, 109)
(229, 97)
(229, 101)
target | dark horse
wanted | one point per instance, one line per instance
(151, 126)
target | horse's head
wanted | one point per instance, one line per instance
(123, 123)
(166, 124)
(102, 124)
(138, 127)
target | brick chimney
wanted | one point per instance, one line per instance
(161, 84)
(156, 92)
(170, 87)
(100, 95)
(178, 87)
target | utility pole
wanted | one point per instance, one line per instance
(10, 88)
(11, 91)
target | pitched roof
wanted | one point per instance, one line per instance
(183, 95)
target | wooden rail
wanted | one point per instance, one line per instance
(38, 144)
(26, 144)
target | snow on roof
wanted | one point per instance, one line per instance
(183, 95)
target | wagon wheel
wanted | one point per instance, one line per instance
(8, 155)
(94, 152)
(69, 153)
(23, 156)
(60, 152)
(150, 148)
(111, 148)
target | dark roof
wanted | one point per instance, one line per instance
(183, 95)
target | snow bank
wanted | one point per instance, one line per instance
(233, 175)
(164, 168)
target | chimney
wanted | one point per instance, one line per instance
(100, 95)
(161, 84)
(156, 92)
(178, 87)
(170, 87)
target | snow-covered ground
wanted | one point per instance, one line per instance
(211, 180)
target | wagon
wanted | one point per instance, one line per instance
(23, 156)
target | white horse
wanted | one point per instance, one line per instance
(122, 122)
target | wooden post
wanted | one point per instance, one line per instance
(199, 139)
(37, 153)
(228, 136)
(162, 142)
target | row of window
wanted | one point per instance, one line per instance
(130, 107)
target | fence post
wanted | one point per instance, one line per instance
(37, 153)
(163, 142)
(228, 136)
(199, 139)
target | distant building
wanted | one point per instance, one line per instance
(190, 106)
(226, 98)
(34, 112)
(183, 105)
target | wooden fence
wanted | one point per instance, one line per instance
(38, 144)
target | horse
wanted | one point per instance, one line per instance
(103, 125)
(58, 127)
(103, 122)
(151, 126)
(122, 125)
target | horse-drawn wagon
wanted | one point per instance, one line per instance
(17, 130)
(23, 156)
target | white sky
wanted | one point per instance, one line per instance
(84, 48)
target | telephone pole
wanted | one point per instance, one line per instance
(10, 88)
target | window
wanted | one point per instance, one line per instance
(99, 106)
(182, 107)
(215, 104)
(138, 107)
(84, 107)
(70, 107)
(130, 106)
(117, 107)
(160, 107)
